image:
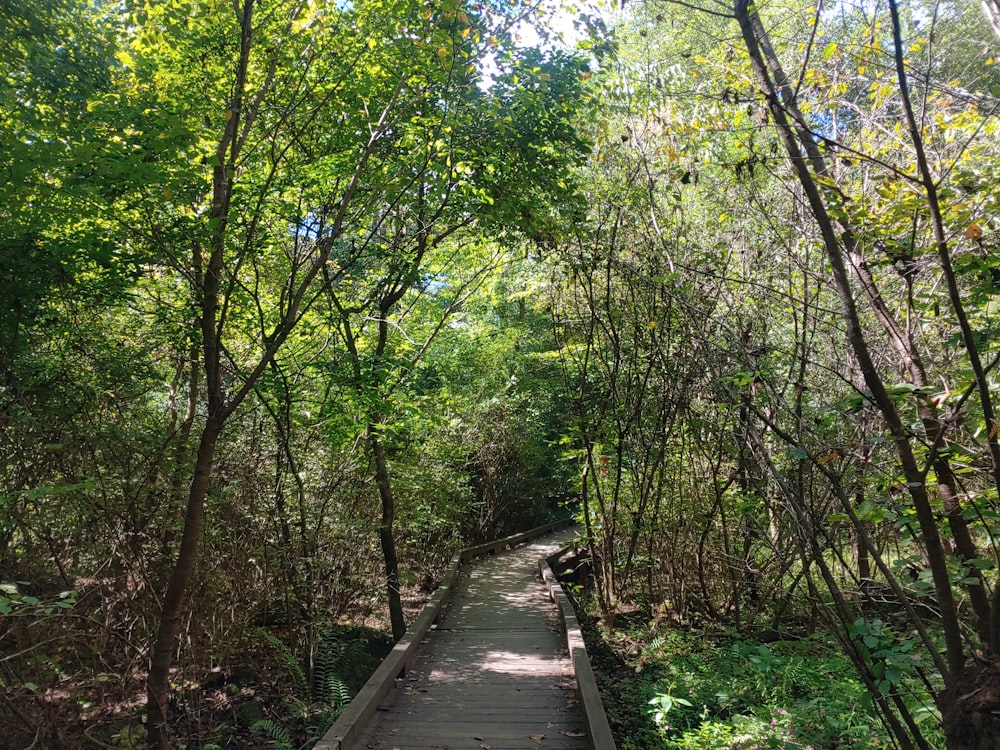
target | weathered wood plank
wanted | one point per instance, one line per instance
(496, 668)
(598, 728)
(344, 732)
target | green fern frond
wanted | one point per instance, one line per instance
(288, 660)
(335, 658)
(279, 737)
(655, 644)
(335, 692)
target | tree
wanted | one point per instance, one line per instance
(992, 11)
(322, 111)
(461, 180)
(886, 150)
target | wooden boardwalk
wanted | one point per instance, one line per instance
(494, 673)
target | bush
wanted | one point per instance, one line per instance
(705, 691)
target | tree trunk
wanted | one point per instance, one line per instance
(801, 150)
(385, 533)
(986, 626)
(837, 234)
(373, 437)
(970, 709)
(158, 684)
(208, 279)
(991, 8)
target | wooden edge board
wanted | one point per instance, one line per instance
(471, 553)
(350, 724)
(594, 716)
(352, 721)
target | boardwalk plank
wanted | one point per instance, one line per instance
(494, 674)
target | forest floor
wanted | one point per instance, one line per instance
(675, 687)
(259, 695)
(261, 699)
(686, 688)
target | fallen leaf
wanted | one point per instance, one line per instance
(829, 456)
(574, 735)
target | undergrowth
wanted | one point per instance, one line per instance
(342, 661)
(688, 689)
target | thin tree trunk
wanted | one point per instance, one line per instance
(208, 284)
(807, 540)
(779, 97)
(385, 533)
(372, 436)
(158, 684)
(209, 278)
(970, 708)
(991, 9)
(934, 433)
(988, 631)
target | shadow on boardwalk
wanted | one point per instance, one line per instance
(494, 674)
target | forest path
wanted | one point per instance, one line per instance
(494, 674)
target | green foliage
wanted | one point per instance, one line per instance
(290, 662)
(335, 659)
(583, 279)
(888, 655)
(13, 602)
(741, 731)
(662, 703)
(714, 691)
(318, 698)
(280, 740)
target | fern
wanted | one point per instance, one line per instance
(655, 644)
(289, 661)
(336, 692)
(334, 659)
(321, 702)
(651, 650)
(279, 737)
